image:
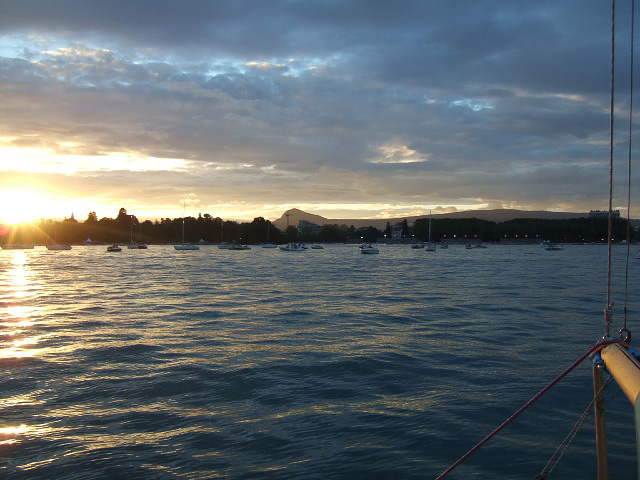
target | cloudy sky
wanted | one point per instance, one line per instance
(343, 108)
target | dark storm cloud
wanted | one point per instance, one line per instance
(432, 102)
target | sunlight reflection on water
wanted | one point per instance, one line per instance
(8, 434)
(214, 364)
(19, 287)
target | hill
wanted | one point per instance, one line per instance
(294, 215)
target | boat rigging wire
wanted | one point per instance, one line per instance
(624, 329)
(625, 334)
(564, 445)
(608, 310)
(597, 347)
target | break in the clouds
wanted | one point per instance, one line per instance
(245, 108)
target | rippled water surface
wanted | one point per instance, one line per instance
(326, 364)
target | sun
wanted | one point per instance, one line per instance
(23, 205)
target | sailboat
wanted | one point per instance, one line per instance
(141, 246)
(430, 247)
(56, 245)
(267, 244)
(185, 246)
(238, 246)
(132, 245)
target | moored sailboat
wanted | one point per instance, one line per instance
(293, 247)
(58, 246)
(185, 246)
(139, 245)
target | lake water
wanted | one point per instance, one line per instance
(328, 364)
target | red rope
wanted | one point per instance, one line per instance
(608, 312)
(598, 346)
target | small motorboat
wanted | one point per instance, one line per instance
(114, 248)
(293, 247)
(368, 249)
(316, 246)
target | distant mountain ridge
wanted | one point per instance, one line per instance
(294, 215)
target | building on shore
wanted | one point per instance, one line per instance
(604, 214)
(309, 227)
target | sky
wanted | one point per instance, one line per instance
(342, 108)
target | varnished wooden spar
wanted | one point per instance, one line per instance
(601, 425)
(626, 371)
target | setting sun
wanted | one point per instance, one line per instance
(21, 205)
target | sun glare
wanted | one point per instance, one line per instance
(23, 205)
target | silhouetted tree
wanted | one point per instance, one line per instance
(387, 231)
(306, 234)
(469, 228)
(231, 231)
(291, 233)
(334, 233)
(405, 229)
(371, 234)
(205, 227)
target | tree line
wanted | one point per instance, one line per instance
(127, 228)
(572, 230)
